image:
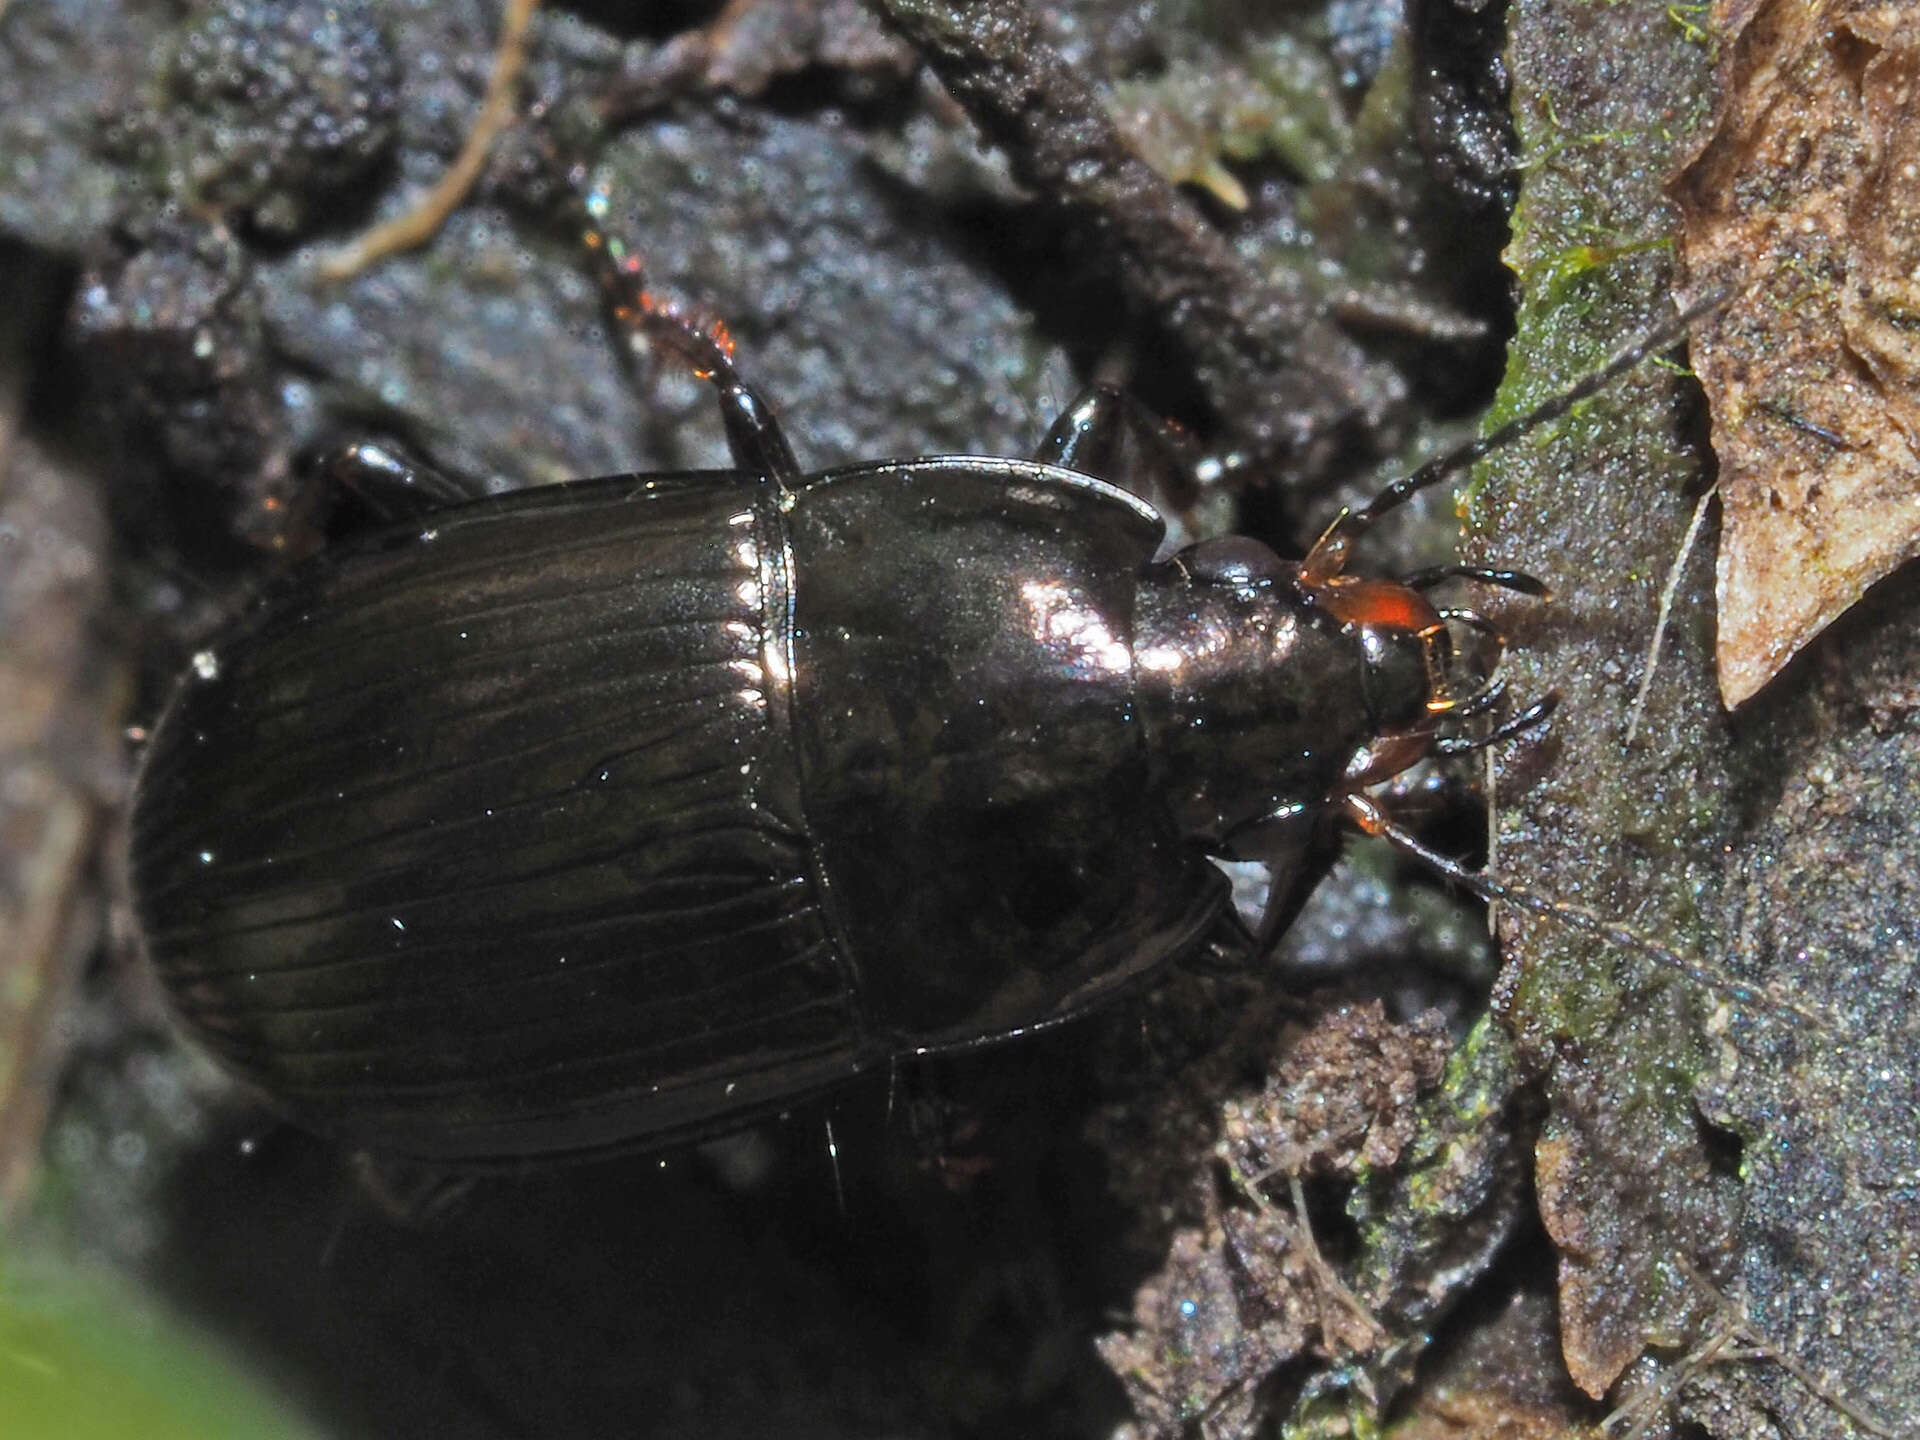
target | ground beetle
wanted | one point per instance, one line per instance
(615, 812)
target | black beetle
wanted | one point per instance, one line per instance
(616, 812)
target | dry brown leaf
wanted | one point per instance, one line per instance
(1804, 202)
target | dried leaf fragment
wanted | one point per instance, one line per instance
(1804, 202)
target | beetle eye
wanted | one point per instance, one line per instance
(1236, 560)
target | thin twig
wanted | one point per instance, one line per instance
(1736, 1328)
(1492, 791)
(1667, 592)
(420, 224)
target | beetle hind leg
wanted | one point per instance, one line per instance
(366, 485)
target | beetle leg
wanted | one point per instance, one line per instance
(1294, 843)
(754, 436)
(1516, 580)
(386, 488)
(409, 1192)
(1089, 434)
(1108, 434)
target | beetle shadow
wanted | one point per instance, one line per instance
(759, 1286)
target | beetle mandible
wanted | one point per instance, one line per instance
(619, 811)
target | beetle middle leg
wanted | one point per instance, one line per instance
(1108, 434)
(754, 436)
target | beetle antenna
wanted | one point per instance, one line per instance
(1329, 554)
(1369, 817)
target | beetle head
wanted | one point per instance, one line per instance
(1261, 693)
(1272, 688)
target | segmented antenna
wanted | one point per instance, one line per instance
(1369, 817)
(1329, 553)
(1328, 556)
